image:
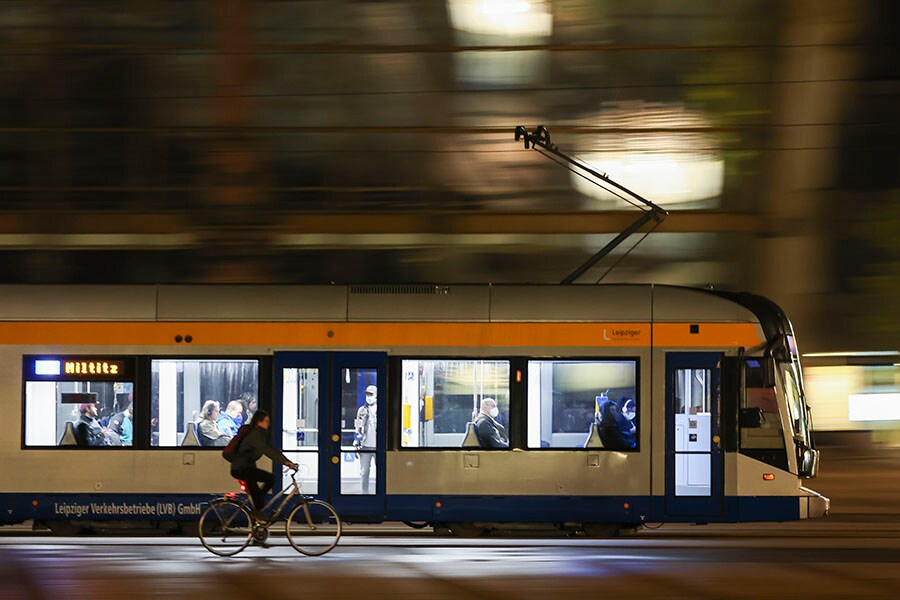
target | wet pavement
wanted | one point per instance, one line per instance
(834, 558)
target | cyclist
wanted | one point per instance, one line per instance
(253, 445)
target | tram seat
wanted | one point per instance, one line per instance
(190, 436)
(593, 438)
(68, 436)
(471, 438)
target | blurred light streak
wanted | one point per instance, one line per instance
(851, 354)
(666, 179)
(498, 23)
(506, 18)
(874, 407)
(673, 168)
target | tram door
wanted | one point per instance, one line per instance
(331, 407)
(694, 465)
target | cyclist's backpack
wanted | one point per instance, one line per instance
(230, 451)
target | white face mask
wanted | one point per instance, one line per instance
(494, 412)
(630, 416)
(370, 400)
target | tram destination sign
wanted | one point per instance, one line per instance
(79, 368)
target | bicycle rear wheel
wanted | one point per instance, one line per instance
(225, 528)
(313, 528)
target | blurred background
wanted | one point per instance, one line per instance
(310, 141)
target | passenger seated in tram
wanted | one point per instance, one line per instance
(489, 432)
(617, 430)
(231, 420)
(207, 430)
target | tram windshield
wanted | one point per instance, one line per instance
(798, 412)
(795, 402)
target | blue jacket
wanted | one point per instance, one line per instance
(617, 432)
(227, 425)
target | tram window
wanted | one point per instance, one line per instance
(300, 425)
(760, 398)
(99, 413)
(200, 402)
(440, 398)
(566, 397)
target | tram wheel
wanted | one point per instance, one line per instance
(600, 530)
(417, 524)
(65, 528)
(466, 530)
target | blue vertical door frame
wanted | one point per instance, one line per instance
(695, 506)
(368, 507)
(331, 366)
(302, 360)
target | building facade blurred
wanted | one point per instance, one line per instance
(363, 141)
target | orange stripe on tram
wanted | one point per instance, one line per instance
(367, 335)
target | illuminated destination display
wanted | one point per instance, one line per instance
(92, 367)
(80, 368)
(46, 367)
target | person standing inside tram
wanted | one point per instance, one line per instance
(365, 440)
(489, 432)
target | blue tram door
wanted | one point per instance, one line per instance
(694, 465)
(325, 402)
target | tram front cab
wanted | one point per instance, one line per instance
(774, 420)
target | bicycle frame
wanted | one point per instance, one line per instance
(285, 494)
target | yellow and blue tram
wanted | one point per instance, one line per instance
(118, 399)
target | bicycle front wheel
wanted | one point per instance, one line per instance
(225, 528)
(313, 528)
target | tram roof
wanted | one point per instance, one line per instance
(370, 303)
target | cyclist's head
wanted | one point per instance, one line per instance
(260, 419)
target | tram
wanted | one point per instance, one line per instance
(616, 405)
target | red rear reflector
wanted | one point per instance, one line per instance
(768, 476)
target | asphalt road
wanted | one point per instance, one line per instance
(834, 558)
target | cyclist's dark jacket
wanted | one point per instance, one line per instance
(252, 448)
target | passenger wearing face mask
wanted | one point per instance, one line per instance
(617, 429)
(231, 420)
(489, 432)
(366, 429)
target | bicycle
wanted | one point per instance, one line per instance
(227, 526)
